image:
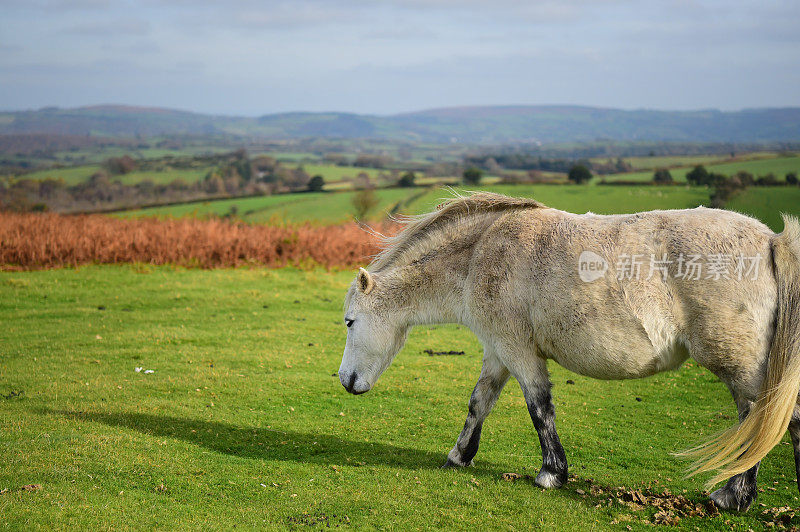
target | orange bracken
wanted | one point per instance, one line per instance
(30, 241)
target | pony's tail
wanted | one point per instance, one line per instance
(740, 448)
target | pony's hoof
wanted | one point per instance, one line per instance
(727, 499)
(548, 480)
(452, 464)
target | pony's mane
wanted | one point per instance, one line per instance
(454, 210)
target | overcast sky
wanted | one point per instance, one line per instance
(253, 57)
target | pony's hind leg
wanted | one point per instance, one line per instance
(554, 460)
(534, 380)
(794, 432)
(740, 491)
(494, 376)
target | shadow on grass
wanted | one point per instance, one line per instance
(326, 449)
(272, 444)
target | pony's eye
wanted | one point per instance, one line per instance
(349, 323)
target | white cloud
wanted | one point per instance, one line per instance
(253, 57)
(115, 27)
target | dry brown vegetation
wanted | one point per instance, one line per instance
(30, 241)
(670, 509)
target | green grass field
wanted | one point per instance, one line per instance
(650, 163)
(97, 154)
(317, 207)
(244, 423)
(337, 207)
(758, 164)
(333, 173)
(780, 166)
(286, 156)
(244, 206)
(71, 175)
(79, 174)
(767, 204)
(580, 199)
(189, 175)
(763, 203)
(669, 161)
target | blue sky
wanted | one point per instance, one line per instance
(388, 56)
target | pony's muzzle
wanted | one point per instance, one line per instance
(352, 383)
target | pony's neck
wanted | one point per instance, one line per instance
(429, 282)
(433, 296)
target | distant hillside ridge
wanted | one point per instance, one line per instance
(469, 125)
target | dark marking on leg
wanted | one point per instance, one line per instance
(471, 449)
(741, 490)
(468, 441)
(794, 432)
(554, 459)
(491, 382)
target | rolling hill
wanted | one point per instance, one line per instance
(472, 125)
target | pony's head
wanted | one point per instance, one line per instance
(375, 332)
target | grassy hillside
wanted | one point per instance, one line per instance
(757, 164)
(79, 174)
(244, 423)
(779, 166)
(767, 204)
(497, 124)
(337, 207)
(764, 203)
(71, 175)
(318, 207)
(600, 200)
(332, 173)
(669, 161)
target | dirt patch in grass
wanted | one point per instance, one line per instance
(317, 520)
(13, 394)
(432, 353)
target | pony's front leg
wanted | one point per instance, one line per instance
(535, 383)
(494, 376)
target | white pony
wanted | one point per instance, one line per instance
(610, 297)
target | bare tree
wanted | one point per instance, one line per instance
(364, 201)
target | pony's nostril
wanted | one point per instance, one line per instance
(351, 383)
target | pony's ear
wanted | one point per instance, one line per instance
(365, 281)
